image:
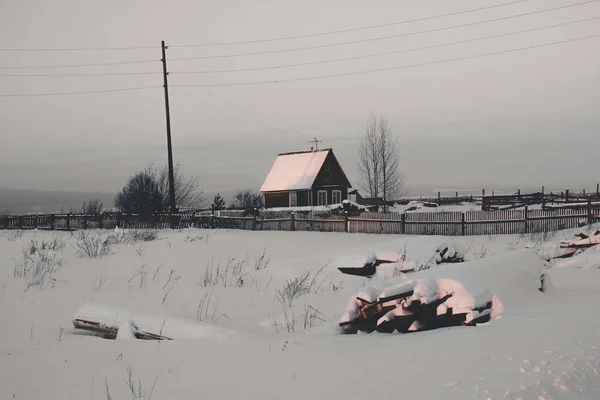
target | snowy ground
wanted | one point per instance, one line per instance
(544, 346)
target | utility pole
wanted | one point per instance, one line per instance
(172, 203)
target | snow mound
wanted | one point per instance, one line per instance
(459, 294)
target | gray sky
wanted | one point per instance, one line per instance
(522, 119)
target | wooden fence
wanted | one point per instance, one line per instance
(454, 223)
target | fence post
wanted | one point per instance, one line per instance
(292, 222)
(119, 225)
(85, 221)
(526, 221)
(463, 224)
(35, 222)
(20, 222)
(346, 222)
(597, 190)
(100, 221)
(589, 210)
(52, 222)
(254, 221)
(567, 196)
(68, 222)
(402, 223)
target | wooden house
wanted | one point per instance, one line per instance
(305, 178)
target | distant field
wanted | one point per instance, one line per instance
(20, 201)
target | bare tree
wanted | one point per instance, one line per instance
(187, 188)
(378, 162)
(368, 165)
(247, 199)
(92, 207)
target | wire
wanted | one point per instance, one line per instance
(87, 74)
(352, 29)
(391, 36)
(80, 49)
(398, 67)
(233, 105)
(82, 92)
(78, 65)
(387, 53)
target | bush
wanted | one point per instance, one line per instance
(141, 194)
(147, 192)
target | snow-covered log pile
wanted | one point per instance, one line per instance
(349, 206)
(417, 305)
(449, 253)
(463, 294)
(572, 248)
(387, 264)
(381, 265)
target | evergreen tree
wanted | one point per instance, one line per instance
(219, 202)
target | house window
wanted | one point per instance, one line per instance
(322, 198)
(336, 197)
(293, 199)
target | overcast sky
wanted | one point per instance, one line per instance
(521, 119)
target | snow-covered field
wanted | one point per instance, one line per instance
(239, 334)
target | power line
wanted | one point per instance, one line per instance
(391, 36)
(386, 53)
(398, 67)
(80, 49)
(198, 71)
(353, 29)
(85, 74)
(231, 103)
(81, 92)
(78, 65)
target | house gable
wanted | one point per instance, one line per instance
(331, 173)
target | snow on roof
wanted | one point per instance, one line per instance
(294, 171)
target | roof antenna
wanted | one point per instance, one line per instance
(316, 142)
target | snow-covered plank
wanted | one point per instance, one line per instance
(107, 320)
